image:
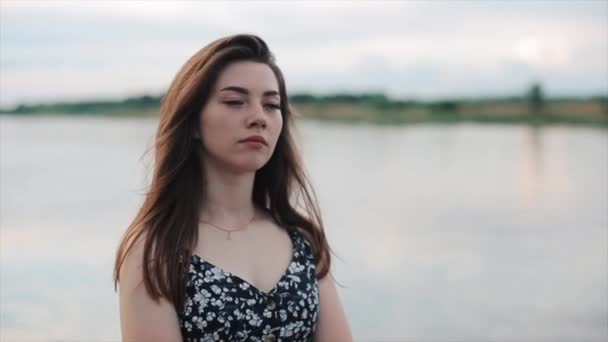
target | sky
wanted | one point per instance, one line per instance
(79, 50)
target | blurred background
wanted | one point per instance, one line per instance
(459, 150)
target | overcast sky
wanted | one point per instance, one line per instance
(71, 50)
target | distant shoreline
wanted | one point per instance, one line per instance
(373, 108)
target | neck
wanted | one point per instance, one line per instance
(228, 196)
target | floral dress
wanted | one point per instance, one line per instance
(220, 306)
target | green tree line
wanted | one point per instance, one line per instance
(534, 97)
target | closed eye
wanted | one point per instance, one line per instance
(233, 103)
(273, 106)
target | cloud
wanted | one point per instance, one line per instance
(418, 48)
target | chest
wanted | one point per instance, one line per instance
(222, 306)
(260, 256)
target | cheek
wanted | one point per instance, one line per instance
(277, 127)
(213, 130)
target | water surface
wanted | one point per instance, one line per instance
(442, 232)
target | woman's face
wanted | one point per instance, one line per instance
(244, 102)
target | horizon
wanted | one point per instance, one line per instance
(508, 97)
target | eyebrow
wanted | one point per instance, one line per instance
(246, 92)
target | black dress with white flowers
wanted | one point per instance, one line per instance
(220, 306)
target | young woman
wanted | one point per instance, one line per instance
(229, 243)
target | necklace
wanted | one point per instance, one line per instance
(229, 231)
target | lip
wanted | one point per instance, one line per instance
(255, 138)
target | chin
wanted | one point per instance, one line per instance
(251, 165)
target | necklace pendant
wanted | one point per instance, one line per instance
(228, 237)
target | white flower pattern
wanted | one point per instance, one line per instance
(220, 306)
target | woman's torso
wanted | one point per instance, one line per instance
(221, 306)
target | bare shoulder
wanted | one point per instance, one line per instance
(131, 273)
(141, 317)
(332, 324)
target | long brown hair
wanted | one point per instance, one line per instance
(168, 218)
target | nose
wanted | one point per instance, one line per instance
(257, 117)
